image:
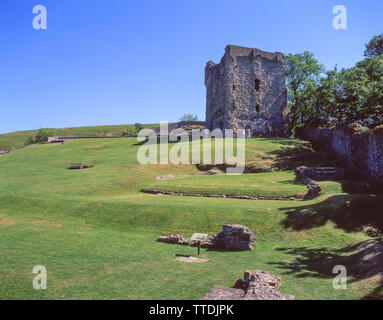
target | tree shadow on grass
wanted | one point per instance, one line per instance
(348, 212)
(351, 213)
(362, 261)
(299, 154)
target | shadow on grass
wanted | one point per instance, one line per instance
(298, 154)
(351, 213)
(362, 261)
(348, 212)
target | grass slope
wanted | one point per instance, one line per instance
(18, 138)
(95, 232)
(281, 184)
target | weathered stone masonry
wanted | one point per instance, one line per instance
(360, 150)
(247, 90)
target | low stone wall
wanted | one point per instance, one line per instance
(199, 195)
(360, 150)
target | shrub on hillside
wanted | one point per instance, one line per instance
(41, 136)
(30, 140)
(130, 131)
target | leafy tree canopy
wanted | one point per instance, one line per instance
(189, 117)
(375, 47)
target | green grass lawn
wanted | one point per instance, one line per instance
(281, 184)
(95, 231)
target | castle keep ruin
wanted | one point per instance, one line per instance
(247, 90)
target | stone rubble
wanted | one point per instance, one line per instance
(306, 176)
(257, 285)
(7, 151)
(234, 237)
(321, 173)
(80, 166)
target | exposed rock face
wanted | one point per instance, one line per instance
(246, 90)
(234, 237)
(257, 285)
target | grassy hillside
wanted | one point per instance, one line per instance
(17, 139)
(95, 232)
(268, 185)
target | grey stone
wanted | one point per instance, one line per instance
(80, 166)
(247, 90)
(234, 237)
(257, 285)
(360, 150)
(320, 173)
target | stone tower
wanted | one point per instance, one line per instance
(247, 90)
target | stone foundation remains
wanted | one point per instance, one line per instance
(257, 285)
(234, 237)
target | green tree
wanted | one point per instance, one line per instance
(302, 78)
(354, 94)
(375, 47)
(326, 98)
(371, 100)
(189, 117)
(138, 126)
(42, 135)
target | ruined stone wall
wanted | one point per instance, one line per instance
(361, 151)
(246, 90)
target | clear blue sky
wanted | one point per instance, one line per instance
(121, 61)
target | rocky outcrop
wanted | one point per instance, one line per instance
(234, 237)
(247, 90)
(358, 148)
(256, 285)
